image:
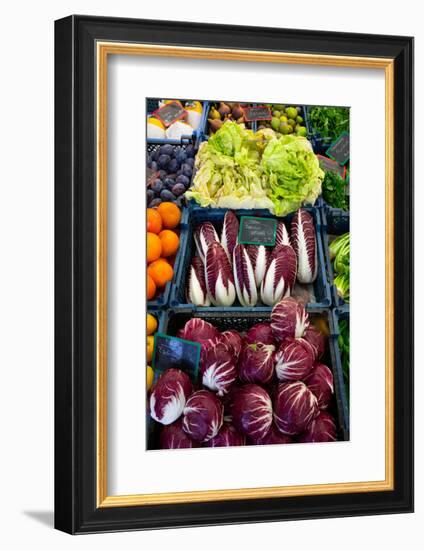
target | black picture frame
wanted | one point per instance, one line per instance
(76, 510)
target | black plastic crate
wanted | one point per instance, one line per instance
(178, 299)
(175, 319)
(334, 223)
(341, 314)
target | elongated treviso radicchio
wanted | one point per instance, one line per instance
(169, 396)
(256, 363)
(304, 242)
(218, 368)
(205, 235)
(251, 411)
(280, 275)
(322, 429)
(229, 233)
(227, 436)
(289, 319)
(219, 276)
(244, 277)
(197, 293)
(203, 416)
(282, 236)
(320, 382)
(294, 359)
(259, 256)
(295, 406)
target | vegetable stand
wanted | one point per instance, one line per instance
(239, 269)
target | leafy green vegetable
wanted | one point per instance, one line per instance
(340, 254)
(237, 168)
(334, 191)
(330, 122)
(294, 173)
(344, 345)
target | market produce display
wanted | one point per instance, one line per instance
(249, 392)
(184, 126)
(239, 168)
(340, 257)
(242, 346)
(162, 245)
(170, 169)
(285, 120)
(329, 122)
(221, 111)
(224, 270)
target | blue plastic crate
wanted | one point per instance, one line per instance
(153, 104)
(334, 222)
(321, 288)
(162, 301)
(242, 321)
(339, 314)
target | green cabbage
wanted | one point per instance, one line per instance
(294, 173)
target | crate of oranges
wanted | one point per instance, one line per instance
(166, 234)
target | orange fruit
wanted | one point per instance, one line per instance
(161, 272)
(170, 214)
(150, 346)
(150, 374)
(151, 287)
(151, 323)
(154, 221)
(154, 247)
(170, 242)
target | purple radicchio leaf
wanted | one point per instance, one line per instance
(229, 233)
(259, 256)
(294, 359)
(256, 363)
(282, 236)
(197, 293)
(204, 235)
(244, 277)
(169, 396)
(322, 429)
(173, 437)
(280, 275)
(219, 276)
(251, 410)
(227, 436)
(203, 416)
(218, 368)
(305, 245)
(320, 382)
(289, 320)
(295, 406)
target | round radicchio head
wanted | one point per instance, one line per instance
(203, 416)
(273, 437)
(169, 396)
(252, 411)
(256, 363)
(295, 406)
(173, 437)
(294, 359)
(261, 332)
(233, 340)
(218, 368)
(227, 436)
(198, 330)
(322, 429)
(317, 340)
(320, 382)
(288, 319)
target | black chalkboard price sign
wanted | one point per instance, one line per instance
(176, 353)
(170, 112)
(257, 113)
(329, 165)
(257, 231)
(339, 150)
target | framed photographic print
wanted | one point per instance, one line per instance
(234, 274)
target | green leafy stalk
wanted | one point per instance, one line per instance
(330, 122)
